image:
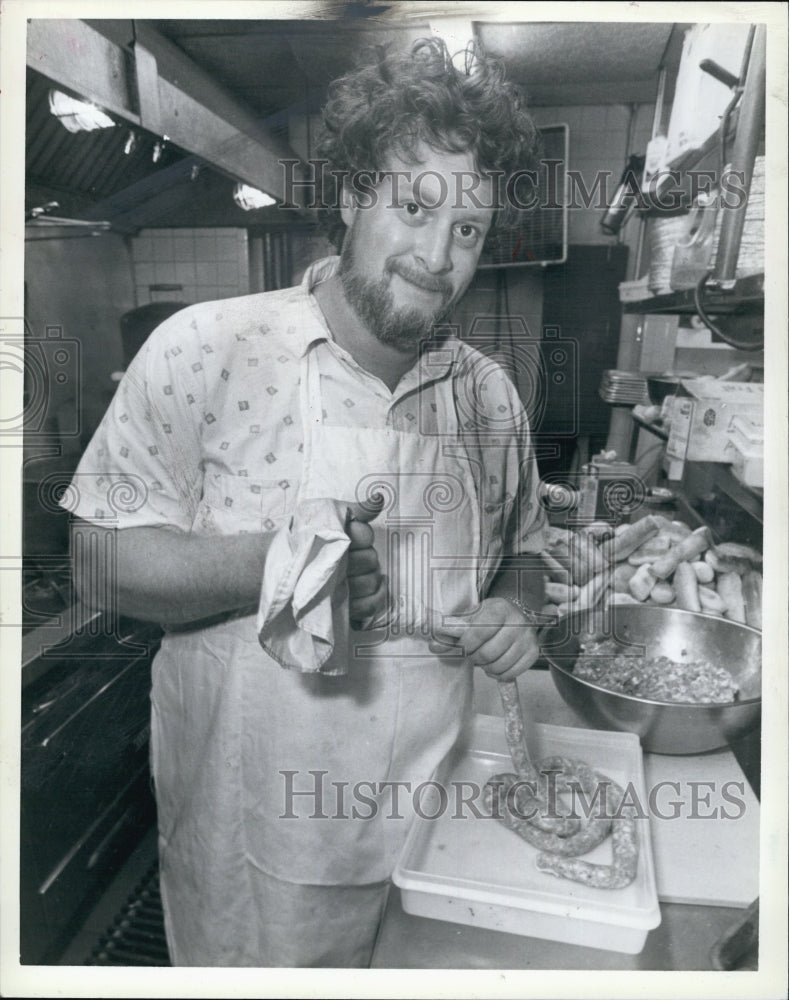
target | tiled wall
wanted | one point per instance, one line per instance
(206, 263)
(598, 141)
(214, 263)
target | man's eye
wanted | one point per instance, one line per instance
(467, 233)
(412, 208)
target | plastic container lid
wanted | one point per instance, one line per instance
(747, 432)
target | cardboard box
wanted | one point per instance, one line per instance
(702, 417)
(746, 451)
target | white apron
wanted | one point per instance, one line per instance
(258, 769)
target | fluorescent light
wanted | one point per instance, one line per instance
(77, 116)
(249, 198)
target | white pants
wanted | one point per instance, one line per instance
(298, 926)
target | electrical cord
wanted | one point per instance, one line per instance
(740, 345)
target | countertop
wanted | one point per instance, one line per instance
(684, 940)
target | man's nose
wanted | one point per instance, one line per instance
(433, 251)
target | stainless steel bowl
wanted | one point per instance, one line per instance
(664, 727)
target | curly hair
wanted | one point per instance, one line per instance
(398, 101)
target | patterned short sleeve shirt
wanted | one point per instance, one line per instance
(207, 418)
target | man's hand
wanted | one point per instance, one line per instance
(368, 588)
(496, 637)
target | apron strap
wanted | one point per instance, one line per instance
(310, 408)
(467, 442)
(469, 445)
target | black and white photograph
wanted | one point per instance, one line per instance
(394, 499)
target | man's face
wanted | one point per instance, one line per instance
(412, 248)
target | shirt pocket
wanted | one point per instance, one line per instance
(237, 504)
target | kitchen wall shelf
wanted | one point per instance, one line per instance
(750, 499)
(747, 296)
(733, 512)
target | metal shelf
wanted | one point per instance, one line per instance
(746, 296)
(700, 160)
(649, 425)
(751, 500)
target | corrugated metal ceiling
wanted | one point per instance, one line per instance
(81, 169)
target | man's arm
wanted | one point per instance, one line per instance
(164, 575)
(168, 576)
(501, 636)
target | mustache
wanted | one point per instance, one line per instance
(430, 282)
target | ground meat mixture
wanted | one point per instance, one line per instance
(655, 677)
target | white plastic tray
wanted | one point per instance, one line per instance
(473, 870)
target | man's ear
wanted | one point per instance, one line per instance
(348, 204)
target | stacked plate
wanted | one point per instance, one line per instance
(623, 388)
(751, 256)
(664, 234)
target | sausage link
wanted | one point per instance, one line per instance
(543, 819)
(504, 796)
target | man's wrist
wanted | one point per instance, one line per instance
(531, 616)
(520, 580)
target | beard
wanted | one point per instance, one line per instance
(373, 301)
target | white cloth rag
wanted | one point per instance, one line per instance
(302, 617)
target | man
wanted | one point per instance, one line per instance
(232, 417)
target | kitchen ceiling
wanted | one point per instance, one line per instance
(274, 65)
(278, 70)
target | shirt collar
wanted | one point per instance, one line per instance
(434, 363)
(317, 272)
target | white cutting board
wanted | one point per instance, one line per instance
(709, 861)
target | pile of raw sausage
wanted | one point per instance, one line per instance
(652, 561)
